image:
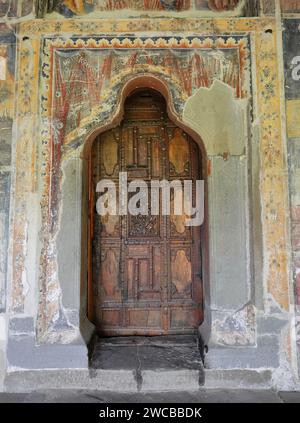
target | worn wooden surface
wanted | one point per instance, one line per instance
(146, 269)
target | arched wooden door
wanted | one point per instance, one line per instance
(146, 270)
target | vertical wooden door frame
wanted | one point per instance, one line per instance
(154, 83)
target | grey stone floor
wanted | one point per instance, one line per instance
(147, 353)
(202, 396)
(168, 352)
(139, 354)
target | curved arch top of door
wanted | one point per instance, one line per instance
(145, 272)
(144, 82)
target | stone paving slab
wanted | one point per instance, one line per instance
(290, 397)
(202, 396)
(144, 353)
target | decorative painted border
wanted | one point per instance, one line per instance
(134, 43)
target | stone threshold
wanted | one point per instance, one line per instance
(137, 364)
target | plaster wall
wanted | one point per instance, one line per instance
(7, 88)
(237, 113)
(291, 37)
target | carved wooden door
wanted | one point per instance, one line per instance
(146, 270)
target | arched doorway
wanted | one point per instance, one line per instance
(145, 270)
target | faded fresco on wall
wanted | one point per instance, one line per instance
(15, 8)
(216, 5)
(290, 6)
(7, 63)
(84, 77)
(70, 8)
(59, 145)
(291, 41)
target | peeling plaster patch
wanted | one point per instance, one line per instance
(59, 328)
(20, 253)
(51, 311)
(284, 377)
(237, 329)
(219, 118)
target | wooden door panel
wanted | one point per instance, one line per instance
(182, 318)
(109, 276)
(109, 152)
(109, 226)
(155, 158)
(181, 274)
(109, 319)
(146, 269)
(144, 318)
(143, 226)
(179, 154)
(143, 273)
(177, 228)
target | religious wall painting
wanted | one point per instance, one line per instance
(71, 8)
(216, 5)
(86, 72)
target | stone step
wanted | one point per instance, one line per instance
(123, 381)
(155, 362)
(139, 364)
